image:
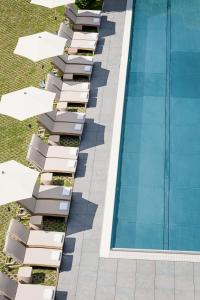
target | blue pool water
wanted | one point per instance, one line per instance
(157, 203)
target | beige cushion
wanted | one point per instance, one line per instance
(35, 292)
(43, 257)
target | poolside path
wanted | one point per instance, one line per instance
(83, 275)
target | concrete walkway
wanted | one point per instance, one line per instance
(85, 276)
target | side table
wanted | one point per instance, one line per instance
(36, 222)
(46, 178)
(24, 275)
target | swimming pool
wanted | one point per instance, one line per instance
(157, 201)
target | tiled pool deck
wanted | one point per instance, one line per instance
(84, 275)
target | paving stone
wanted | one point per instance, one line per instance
(164, 294)
(105, 293)
(144, 294)
(145, 267)
(108, 265)
(165, 268)
(124, 293)
(184, 269)
(164, 282)
(184, 283)
(144, 281)
(184, 295)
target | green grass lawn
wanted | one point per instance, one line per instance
(20, 18)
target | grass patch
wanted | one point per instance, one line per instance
(20, 18)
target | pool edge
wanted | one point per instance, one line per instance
(116, 137)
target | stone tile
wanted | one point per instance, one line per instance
(165, 268)
(91, 245)
(124, 293)
(126, 280)
(144, 281)
(90, 261)
(184, 295)
(106, 279)
(105, 293)
(145, 267)
(86, 284)
(164, 282)
(184, 269)
(126, 266)
(108, 265)
(184, 283)
(164, 294)
(144, 294)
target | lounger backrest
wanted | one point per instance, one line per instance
(64, 58)
(8, 287)
(14, 249)
(59, 63)
(52, 88)
(55, 81)
(73, 9)
(62, 32)
(39, 145)
(70, 14)
(2, 297)
(68, 31)
(46, 122)
(29, 204)
(36, 158)
(52, 115)
(18, 231)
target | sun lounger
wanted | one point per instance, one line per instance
(53, 151)
(69, 86)
(11, 290)
(71, 70)
(60, 128)
(49, 164)
(69, 96)
(35, 238)
(75, 45)
(46, 207)
(53, 192)
(39, 257)
(84, 12)
(79, 21)
(65, 31)
(66, 116)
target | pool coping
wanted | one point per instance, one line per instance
(105, 247)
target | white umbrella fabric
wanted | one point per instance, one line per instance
(26, 103)
(40, 46)
(17, 182)
(52, 3)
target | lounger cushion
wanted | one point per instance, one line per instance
(35, 292)
(63, 152)
(46, 239)
(83, 45)
(43, 257)
(58, 165)
(52, 208)
(54, 192)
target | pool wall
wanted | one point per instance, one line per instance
(105, 248)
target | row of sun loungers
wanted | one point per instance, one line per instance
(41, 248)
